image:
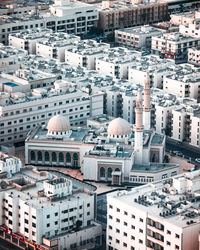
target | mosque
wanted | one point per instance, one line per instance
(114, 151)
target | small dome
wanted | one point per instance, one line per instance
(119, 126)
(58, 123)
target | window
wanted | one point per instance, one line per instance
(125, 213)
(176, 247)
(177, 236)
(132, 227)
(110, 227)
(141, 220)
(56, 222)
(168, 232)
(110, 237)
(117, 220)
(124, 244)
(141, 241)
(133, 216)
(117, 241)
(125, 223)
(56, 214)
(118, 210)
(48, 216)
(168, 243)
(110, 206)
(48, 225)
(26, 221)
(125, 234)
(117, 230)
(88, 213)
(140, 230)
(33, 225)
(132, 237)
(110, 217)
(88, 205)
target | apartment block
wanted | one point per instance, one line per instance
(116, 62)
(173, 46)
(119, 14)
(45, 210)
(63, 16)
(84, 53)
(27, 39)
(10, 57)
(20, 113)
(136, 37)
(161, 215)
(54, 46)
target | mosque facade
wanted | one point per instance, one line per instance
(115, 151)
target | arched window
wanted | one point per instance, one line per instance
(46, 156)
(32, 156)
(39, 154)
(75, 159)
(109, 172)
(68, 157)
(54, 157)
(61, 157)
(102, 172)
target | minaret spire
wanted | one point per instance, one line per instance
(147, 103)
(138, 148)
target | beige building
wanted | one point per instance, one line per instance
(119, 14)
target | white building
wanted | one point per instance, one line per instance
(27, 39)
(173, 45)
(194, 56)
(20, 113)
(161, 215)
(25, 80)
(63, 16)
(192, 29)
(44, 210)
(156, 67)
(84, 53)
(10, 58)
(184, 83)
(9, 165)
(116, 62)
(136, 37)
(55, 44)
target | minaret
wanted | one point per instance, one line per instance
(147, 104)
(138, 148)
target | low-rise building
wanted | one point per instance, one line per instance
(183, 81)
(43, 209)
(156, 67)
(10, 58)
(20, 113)
(136, 37)
(159, 215)
(63, 16)
(9, 164)
(27, 39)
(174, 46)
(119, 14)
(84, 53)
(116, 61)
(55, 45)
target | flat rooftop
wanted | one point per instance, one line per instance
(160, 199)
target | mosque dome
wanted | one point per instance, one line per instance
(119, 127)
(58, 123)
